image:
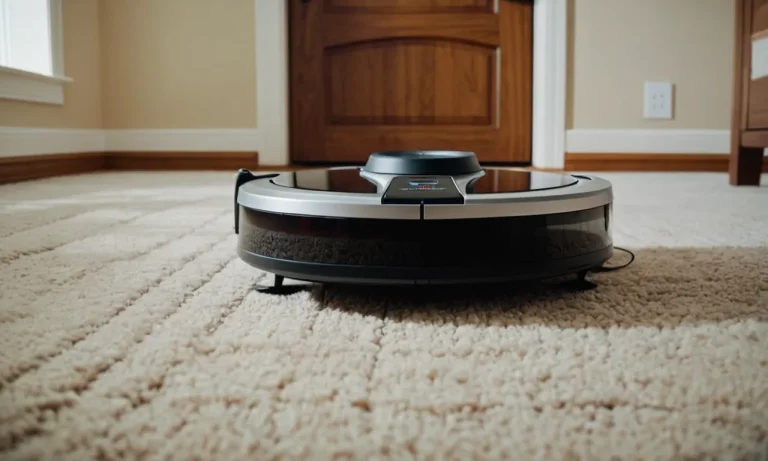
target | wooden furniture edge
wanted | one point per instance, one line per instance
(746, 146)
(758, 139)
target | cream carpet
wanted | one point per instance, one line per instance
(130, 330)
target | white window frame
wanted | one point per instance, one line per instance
(27, 86)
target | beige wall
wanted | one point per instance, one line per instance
(178, 63)
(191, 64)
(82, 97)
(615, 45)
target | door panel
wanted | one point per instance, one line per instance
(350, 28)
(402, 87)
(370, 75)
(408, 6)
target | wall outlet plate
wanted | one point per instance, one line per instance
(657, 98)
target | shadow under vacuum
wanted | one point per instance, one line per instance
(663, 287)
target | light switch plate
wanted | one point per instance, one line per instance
(657, 97)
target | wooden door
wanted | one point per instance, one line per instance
(374, 75)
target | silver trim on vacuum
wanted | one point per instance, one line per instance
(262, 194)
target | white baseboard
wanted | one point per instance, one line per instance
(188, 140)
(648, 141)
(36, 141)
(39, 141)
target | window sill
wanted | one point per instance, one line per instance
(28, 86)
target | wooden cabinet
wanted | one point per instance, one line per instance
(749, 120)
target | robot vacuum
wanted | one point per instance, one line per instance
(422, 217)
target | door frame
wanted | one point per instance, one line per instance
(549, 82)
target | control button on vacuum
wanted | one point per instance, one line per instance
(424, 189)
(422, 182)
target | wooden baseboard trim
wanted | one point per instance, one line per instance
(180, 160)
(26, 167)
(649, 162)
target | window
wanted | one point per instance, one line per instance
(31, 67)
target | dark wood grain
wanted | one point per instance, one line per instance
(475, 28)
(26, 167)
(515, 103)
(754, 24)
(411, 83)
(306, 69)
(757, 106)
(380, 75)
(149, 161)
(746, 158)
(408, 6)
(758, 138)
(759, 17)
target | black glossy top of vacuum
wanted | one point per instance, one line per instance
(419, 184)
(494, 181)
(421, 168)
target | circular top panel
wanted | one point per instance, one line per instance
(331, 180)
(494, 192)
(500, 181)
(423, 162)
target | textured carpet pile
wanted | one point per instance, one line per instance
(130, 330)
